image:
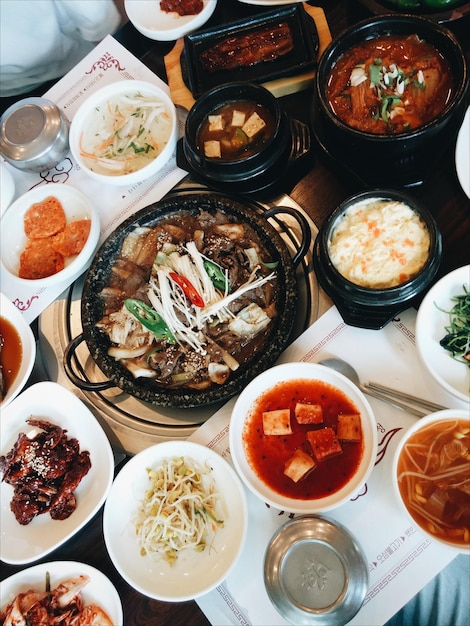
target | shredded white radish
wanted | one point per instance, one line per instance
(179, 511)
(125, 133)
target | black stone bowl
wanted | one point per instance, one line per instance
(265, 353)
(403, 159)
(255, 175)
(367, 307)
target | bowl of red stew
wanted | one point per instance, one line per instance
(389, 97)
(431, 470)
(239, 139)
(303, 438)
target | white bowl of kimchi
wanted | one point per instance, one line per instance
(124, 133)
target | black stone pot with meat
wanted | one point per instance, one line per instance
(264, 350)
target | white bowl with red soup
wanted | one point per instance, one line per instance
(303, 438)
(431, 474)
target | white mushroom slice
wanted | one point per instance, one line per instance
(238, 118)
(216, 122)
(138, 371)
(212, 149)
(119, 353)
(250, 321)
(218, 372)
(253, 125)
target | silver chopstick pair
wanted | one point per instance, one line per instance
(401, 400)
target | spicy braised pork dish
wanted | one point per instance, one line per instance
(389, 84)
(189, 300)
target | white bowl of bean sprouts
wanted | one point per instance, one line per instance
(431, 476)
(124, 133)
(175, 521)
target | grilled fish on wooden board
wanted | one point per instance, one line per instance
(266, 44)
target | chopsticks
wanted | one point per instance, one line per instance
(401, 400)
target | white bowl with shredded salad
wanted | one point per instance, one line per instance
(175, 521)
(125, 132)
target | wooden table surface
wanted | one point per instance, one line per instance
(318, 188)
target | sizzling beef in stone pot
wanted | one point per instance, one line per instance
(189, 299)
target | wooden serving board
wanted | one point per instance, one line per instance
(182, 96)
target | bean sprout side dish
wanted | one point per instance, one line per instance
(180, 510)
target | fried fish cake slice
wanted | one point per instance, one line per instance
(71, 240)
(44, 219)
(39, 260)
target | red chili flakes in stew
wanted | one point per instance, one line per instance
(268, 454)
(390, 84)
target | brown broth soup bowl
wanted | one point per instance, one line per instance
(431, 473)
(374, 304)
(403, 158)
(253, 172)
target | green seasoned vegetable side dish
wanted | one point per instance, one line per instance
(457, 338)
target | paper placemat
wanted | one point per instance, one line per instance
(401, 559)
(107, 63)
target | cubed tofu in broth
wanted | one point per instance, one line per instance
(238, 118)
(349, 427)
(216, 122)
(308, 413)
(253, 125)
(212, 149)
(324, 443)
(299, 464)
(277, 422)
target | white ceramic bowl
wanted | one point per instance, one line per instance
(445, 419)
(149, 19)
(13, 239)
(194, 573)
(99, 590)
(244, 404)
(24, 544)
(94, 113)
(431, 320)
(28, 348)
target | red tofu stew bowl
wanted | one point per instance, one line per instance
(303, 438)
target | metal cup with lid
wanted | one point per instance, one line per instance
(34, 135)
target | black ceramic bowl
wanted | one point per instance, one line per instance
(256, 174)
(367, 306)
(398, 160)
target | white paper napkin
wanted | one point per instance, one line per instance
(107, 63)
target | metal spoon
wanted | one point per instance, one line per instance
(390, 396)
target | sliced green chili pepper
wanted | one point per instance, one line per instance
(217, 275)
(387, 103)
(149, 318)
(188, 289)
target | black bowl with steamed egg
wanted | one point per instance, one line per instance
(389, 159)
(375, 254)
